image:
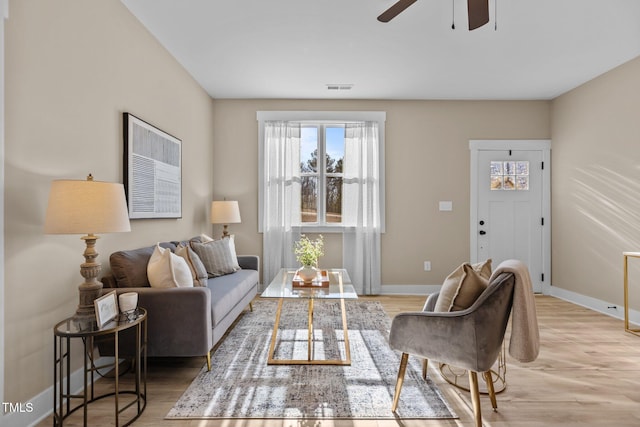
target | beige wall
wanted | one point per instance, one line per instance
(427, 160)
(72, 68)
(596, 184)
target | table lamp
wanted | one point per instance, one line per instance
(225, 212)
(87, 207)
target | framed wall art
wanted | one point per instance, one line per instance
(152, 170)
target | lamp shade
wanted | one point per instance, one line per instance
(86, 207)
(225, 212)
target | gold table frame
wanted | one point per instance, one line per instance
(626, 255)
(310, 343)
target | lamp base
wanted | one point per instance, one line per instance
(88, 292)
(90, 289)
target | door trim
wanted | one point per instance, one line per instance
(543, 145)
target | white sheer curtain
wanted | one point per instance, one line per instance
(281, 196)
(361, 207)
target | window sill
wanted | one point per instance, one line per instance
(322, 228)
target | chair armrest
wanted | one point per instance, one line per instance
(448, 337)
(430, 303)
(249, 262)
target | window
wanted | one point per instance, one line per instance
(510, 175)
(318, 178)
(321, 173)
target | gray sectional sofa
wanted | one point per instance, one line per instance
(182, 321)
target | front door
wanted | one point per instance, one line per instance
(510, 216)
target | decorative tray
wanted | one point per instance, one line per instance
(321, 281)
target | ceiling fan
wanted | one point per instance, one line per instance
(478, 12)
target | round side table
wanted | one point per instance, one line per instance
(72, 328)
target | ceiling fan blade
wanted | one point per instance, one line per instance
(478, 13)
(395, 10)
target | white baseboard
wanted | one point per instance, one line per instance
(610, 309)
(42, 404)
(604, 307)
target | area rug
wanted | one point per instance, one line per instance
(242, 385)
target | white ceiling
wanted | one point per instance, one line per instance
(294, 48)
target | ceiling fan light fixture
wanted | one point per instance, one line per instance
(478, 12)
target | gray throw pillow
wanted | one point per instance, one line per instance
(129, 267)
(216, 257)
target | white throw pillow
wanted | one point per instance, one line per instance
(204, 238)
(167, 270)
(232, 249)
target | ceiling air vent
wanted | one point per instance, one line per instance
(341, 86)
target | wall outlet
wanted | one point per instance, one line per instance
(427, 266)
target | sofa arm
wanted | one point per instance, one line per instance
(178, 320)
(108, 281)
(249, 262)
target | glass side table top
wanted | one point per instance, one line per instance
(73, 327)
(281, 286)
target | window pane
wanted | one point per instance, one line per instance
(335, 149)
(309, 149)
(509, 168)
(309, 201)
(522, 168)
(496, 168)
(334, 199)
(496, 182)
(522, 183)
(509, 183)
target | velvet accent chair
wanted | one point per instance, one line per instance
(470, 339)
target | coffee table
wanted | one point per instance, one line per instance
(340, 288)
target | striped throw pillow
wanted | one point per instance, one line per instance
(216, 256)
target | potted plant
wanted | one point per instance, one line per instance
(307, 253)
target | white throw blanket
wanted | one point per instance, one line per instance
(524, 344)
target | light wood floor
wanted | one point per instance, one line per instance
(587, 374)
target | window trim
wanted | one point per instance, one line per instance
(325, 117)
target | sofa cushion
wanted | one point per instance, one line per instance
(129, 268)
(198, 270)
(216, 257)
(461, 288)
(168, 270)
(227, 291)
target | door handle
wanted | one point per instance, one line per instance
(482, 232)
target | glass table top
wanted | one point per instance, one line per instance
(82, 327)
(282, 286)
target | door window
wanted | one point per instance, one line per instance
(510, 175)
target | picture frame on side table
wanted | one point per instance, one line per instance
(106, 308)
(152, 170)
